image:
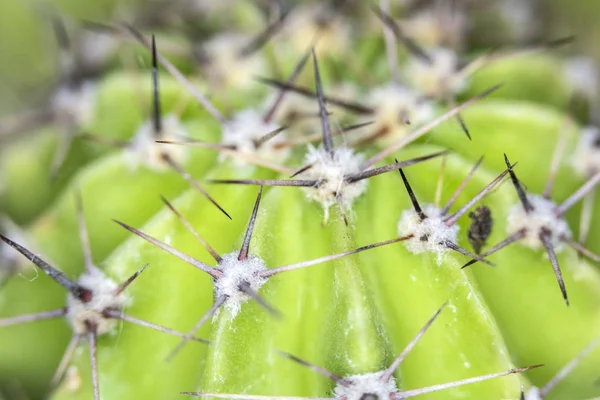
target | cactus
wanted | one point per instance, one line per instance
(335, 200)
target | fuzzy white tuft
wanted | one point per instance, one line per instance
(394, 105)
(521, 18)
(96, 49)
(224, 64)
(582, 76)
(438, 78)
(330, 172)
(425, 27)
(542, 216)
(236, 272)
(586, 159)
(102, 298)
(245, 129)
(149, 153)
(317, 20)
(366, 384)
(533, 394)
(75, 106)
(429, 234)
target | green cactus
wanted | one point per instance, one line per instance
(299, 258)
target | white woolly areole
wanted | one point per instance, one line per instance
(96, 49)
(149, 153)
(439, 77)
(429, 234)
(586, 159)
(394, 105)
(425, 27)
(208, 6)
(366, 384)
(224, 64)
(521, 17)
(102, 298)
(317, 20)
(543, 215)
(235, 273)
(533, 394)
(245, 129)
(330, 172)
(582, 76)
(75, 105)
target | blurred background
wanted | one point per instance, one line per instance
(29, 50)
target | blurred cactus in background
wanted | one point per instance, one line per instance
(279, 199)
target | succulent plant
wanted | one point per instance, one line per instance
(355, 183)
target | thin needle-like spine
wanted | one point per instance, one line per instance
(411, 194)
(185, 175)
(215, 273)
(394, 366)
(350, 106)
(320, 260)
(566, 370)
(327, 141)
(188, 336)
(321, 371)
(465, 252)
(58, 276)
(63, 364)
(585, 222)
(83, 233)
(251, 396)
(203, 100)
(556, 158)
(391, 167)
(440, 185)
(129, 280)
(581, 249)
(460, 188)
(230, 150)
(191, 229)
(245, 287)
(511, 239)
(282, 92)
(115, 314)
(291, 142)
(263, 37)
(156, 109)
(33, 317)
(248, 236)
(520, 191)
(408, 43)
(390, 44)
(64, 145)
(425, 128)
(93, 344)
(267, 182)
(452, 219)
(268, 136)
(545, 238)
(435, 388)
(578, 195)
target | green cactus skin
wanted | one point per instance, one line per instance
(350, 316)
